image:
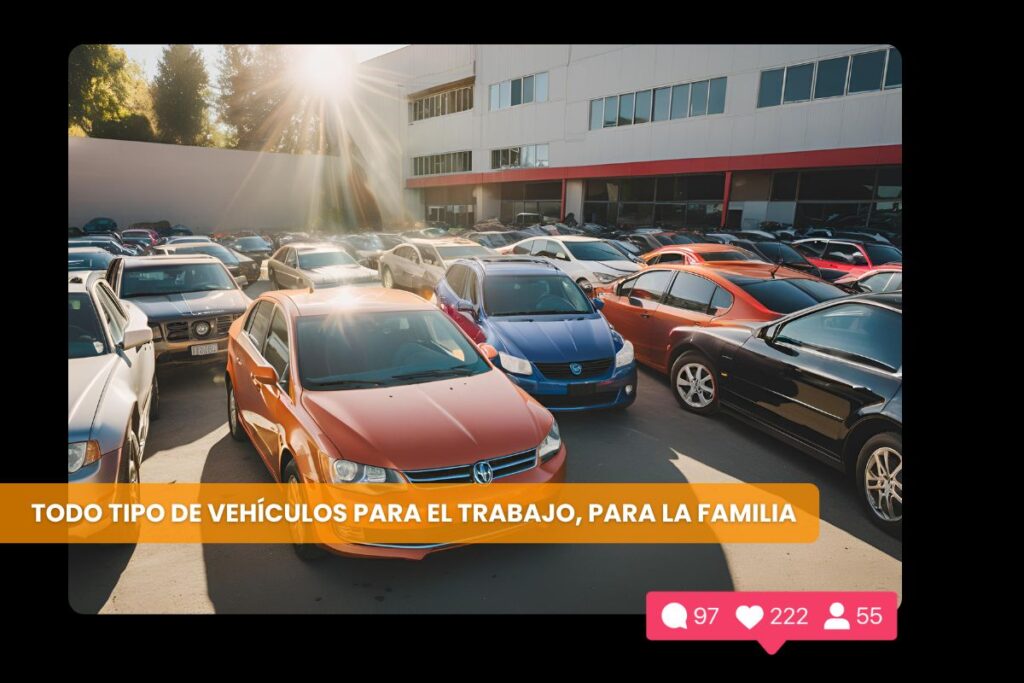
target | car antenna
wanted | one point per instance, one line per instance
(775, 269)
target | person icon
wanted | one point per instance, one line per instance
(837, 622)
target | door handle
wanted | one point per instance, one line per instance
(645, 315)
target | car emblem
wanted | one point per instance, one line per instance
(482, 472)
(575, 368)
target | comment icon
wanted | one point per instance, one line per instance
(673, 615)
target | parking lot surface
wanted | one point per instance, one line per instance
(653, 441)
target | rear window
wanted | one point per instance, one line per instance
(787, 296)
(85, 336)
(89, 261)
(732, 255)
(881, 253)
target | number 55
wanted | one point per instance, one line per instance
(869, 615)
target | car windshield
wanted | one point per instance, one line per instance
(214, 250)
(462, 251)
(731, 255)
(778, 252)
(85, 337)
(96, 260)
(786, 296)
(594, 251)
(319, 259)
(533, 295)
(881, 253)
(359, 350)
(492, 241)
(177, 279)
(251, 243)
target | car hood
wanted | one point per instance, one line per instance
(340, 273)
(87, 380)
(452, 426)
(554, 339)
(613, 267)
(176, 306)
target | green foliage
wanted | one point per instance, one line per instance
(134, 127)
(180, 92)
(105, 87)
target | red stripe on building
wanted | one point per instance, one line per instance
(883, 155)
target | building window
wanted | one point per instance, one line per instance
(626, 109)
(596, 114)
(611, 110)
(669, 102)
(699, 98)
(448, 102)
(662, 97)
(769, 93)
(642, 112)
(798, 83)
(449, 162)
(683, 201)
(894, 69)
(680, 101)
(831, 80)
(833, 77)
(527, 156)
(516, 91)
(716, 98)
(866, 72)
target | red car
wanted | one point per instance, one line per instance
(698, 253)
(649, 308)
(852, 256)
(887, 278)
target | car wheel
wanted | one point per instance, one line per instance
(695, 383)
(154, 401)
(300, 539)
(129, 476)
(386, 278)
(234, 421)
(879, 474)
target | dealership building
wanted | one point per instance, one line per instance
(688, 136)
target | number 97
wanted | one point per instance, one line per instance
(704, 615)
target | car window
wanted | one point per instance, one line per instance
(319, 259)
(97, 260)
(112, 317)
(456, 279)
(791, 294)
(651, 286)
(813, 248)
(276, 348)
(669, 257)
(855, 331)
(883, 253)
(175, 279)
(896, 283)
(85, 336)
(721, 301)
(259, 323)
(845, 253)
(523, 247)
(470, 290)
(594, 251)
(691, 293)
(877, 282)
(731, 255)
(430, 256)
(533, 294)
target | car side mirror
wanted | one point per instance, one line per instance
(241, 281)
(264, 374)
(587, 288)
(490, 353)
(769, 333)
(633, 301)
(136, 337)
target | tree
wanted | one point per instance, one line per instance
(104, 86)
(180, 92)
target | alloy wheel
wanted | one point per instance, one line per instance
(883, 483)
(695, 385)
(298, 529)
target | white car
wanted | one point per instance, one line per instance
(299, 265)
(419, 264)
(588, 260)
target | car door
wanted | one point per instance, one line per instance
(274, 401)
(687, 303)
(245, 355)
(844, 256)
(433, 268)
(810, 375)
(630, 309)
(292, 276)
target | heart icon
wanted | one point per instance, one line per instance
(749, 615)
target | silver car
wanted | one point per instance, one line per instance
(112, 387)
(419, 264)
(303, 265)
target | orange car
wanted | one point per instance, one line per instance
(650, 308)
(377, 385)
(698, 253)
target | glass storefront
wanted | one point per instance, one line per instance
(533, 198)
(682, 201)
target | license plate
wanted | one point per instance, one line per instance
(204, 349)
(582, 389)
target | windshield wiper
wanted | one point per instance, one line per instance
(439, 372)
(339, 383)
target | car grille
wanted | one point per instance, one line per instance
(184, 330)
(590, 368)
(504, 466)
(566, 401)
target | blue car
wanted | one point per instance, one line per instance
(551, 338)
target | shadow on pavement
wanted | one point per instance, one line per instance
(93, 571)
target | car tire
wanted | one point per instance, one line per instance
(694, 367)
(387, 280)
(128, 475)
(154, 401)
(879, 479)
(307, 552)
(234, 419)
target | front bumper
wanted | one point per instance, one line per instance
(179, 352)
(552, 471)
(594, 394)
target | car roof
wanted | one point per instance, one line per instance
(510, 264)
(310, 247)
(891, 299)
(87, 250)
(168, 259)
(695, 248)
(571, 238)
(443, 242)
(840, 240)
(326, 301)
(734, 272)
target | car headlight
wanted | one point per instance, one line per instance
(514, 364)
(605, 278)
(625, 355)
(348, 472)
(82, 453)
(551, 443)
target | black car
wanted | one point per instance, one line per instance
(827, 380)
(779, 252)
(649, 241)
(256, 248)
(100, 226)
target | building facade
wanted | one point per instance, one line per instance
(687, 136)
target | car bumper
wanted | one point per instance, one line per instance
(180, 353)
(552, 471)
(610, 392)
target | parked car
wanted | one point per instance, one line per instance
(302, 265)
(493, 239)
(588, 260)
(850, 256)
(827, 380)
(778, 252)
(523, 220)
(187, 239)
(105, 242)
(316, 381)
(420, 263)
(368, 246)
(142, 236)
(75, 231)
(256, 248)
(550, 337)
(648, 241)
(100, 226)
(888, 278)
(696, 254)
(628, 249)
(88, 258)
(250, 270)
(112, 387)
(651, 308)
(191, 301)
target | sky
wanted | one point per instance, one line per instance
(148, 56)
